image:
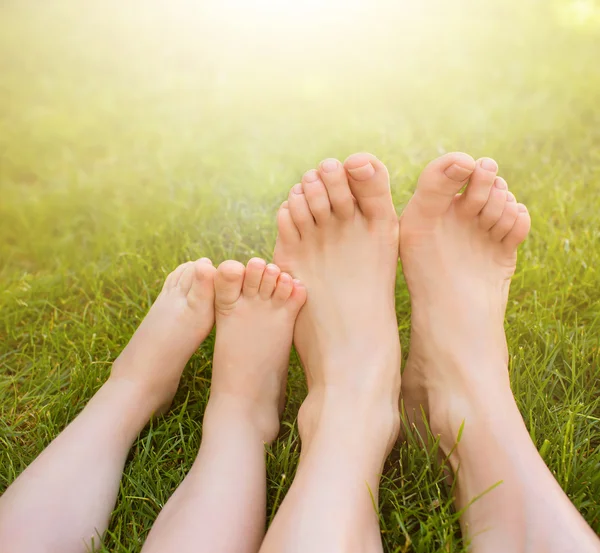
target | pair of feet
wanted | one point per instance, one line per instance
(332, 292)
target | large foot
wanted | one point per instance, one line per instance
(338, 233)
(458, 252)
(256, 309)
(180, 319)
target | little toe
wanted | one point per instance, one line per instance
(440, 181)
(508, 219)
(299, 210)
(316, 196)
(203, 286)
(184, 284)
(283, 290)
(254, 274)
(173, 277)
(492, 210)
(334, 177)
(478, 190)
(269, 281)
(370, 184)
(228, 285)
(517, 234)
(285, 225)
(299, 295)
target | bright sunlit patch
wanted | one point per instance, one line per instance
(580, 12)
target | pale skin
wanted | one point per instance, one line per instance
(256, 308)
(62, 502)
(459, 253)
(338, 234)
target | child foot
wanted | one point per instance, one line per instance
(458, 252)
(180, 319)
(256, 309)
(338, 233)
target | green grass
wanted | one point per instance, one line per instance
(126, 149)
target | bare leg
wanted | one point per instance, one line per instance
(221, 505)
(338, 233)
(459, 254)
(62, 502)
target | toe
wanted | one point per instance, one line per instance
(285, 224)
(299, 210)
(370, 185)
(228, 285)
(283, 290)
(173, 278)
(298, 297)
(269, 281)
(184, 284)
(253, 277)
(203, 286)
(508, 219)
(440, 181)
(334, 177)
(316, 196)
(478, 190)
(492, 210)
(517, 234)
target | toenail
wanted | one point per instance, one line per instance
(298, 283)
(272, 269)
(488, 164)
(329, 165)
(205, 260)
(511, 197)
(284, 277)
(297, 189)
(458, 173)
(362, 173)
(500, 183)
(311, 176)
(522, 208)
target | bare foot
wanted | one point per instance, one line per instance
(338, 233)
(458, 253)
(180, 319)
(256, 309)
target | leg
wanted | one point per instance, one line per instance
(256, 309)
(63, 501)
(338, 233)
(458, 254)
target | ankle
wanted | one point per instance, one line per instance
(225, 410)
(351, 417)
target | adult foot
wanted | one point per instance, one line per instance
(338, 233)
(180, 319)
(256, 309)
(458, 252)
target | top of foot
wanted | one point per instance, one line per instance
(458, 254)
(256, 309)
(338, 233)
(178, 322)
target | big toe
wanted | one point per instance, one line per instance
(203, 288)
(228, 285)
(441, 180)
(370, 184)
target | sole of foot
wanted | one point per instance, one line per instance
(459, 252)
(256, 309)
(178, 322)
(338, 233)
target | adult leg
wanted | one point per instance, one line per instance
(62, 502)
(458, 254)
(338, 233)
(221, 504)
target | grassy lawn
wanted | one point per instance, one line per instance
(133, 140)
